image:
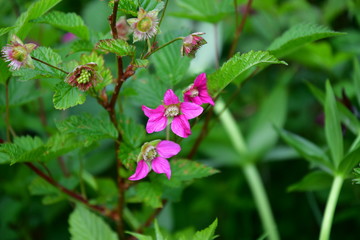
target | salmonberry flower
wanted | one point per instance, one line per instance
(145, 25)
(172, 112)
(192, 43)
(83, 76)
(154, 156)
(197, 92)
(18, 54)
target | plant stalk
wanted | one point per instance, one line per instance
(48, 64)
(330, 207)
(162, 46)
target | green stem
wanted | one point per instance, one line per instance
(251, 174)
(48, 64)
(330, 208)
(7, 111)
(162, 46)
(262, 202)
(168, 132)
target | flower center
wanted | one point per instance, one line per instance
(84, 76)
(144, 24)
(19, 53)
(194, 92)
(172, 111)
(149, 153)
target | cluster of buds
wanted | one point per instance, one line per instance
(18, 53)
(83, 77)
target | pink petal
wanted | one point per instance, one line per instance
(197, 100)
(167, 149)
(156, 124)
(205, 97)
(161, 165)
(200, 80)
(190, 110)
(142, 170)
(153, 113)
(170, 97)
(181, 126)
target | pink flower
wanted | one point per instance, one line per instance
(145, 25)
(192, 43)
(172, 111)
(18, 54)
(197, 92)
(154, 156)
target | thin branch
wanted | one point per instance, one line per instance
(162, 46)
(236, 12)
(48, 64)
(101, 209)
(240, 28)
(7, 111)
(151, 218)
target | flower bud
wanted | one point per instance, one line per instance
(83, 76)
(122, 28)
(192, 43)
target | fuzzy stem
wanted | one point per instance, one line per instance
(162, 46)
(330, 207)
(7, 110)
(48, 64)
(251, 174)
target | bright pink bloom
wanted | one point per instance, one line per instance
(192, 43)
(197, 92)
(154, 156)
(172, 111)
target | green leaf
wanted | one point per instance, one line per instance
(128, 7)
(158, 233)
(149, 194)
(69, 22)
(88, 127)
(4, 69)
(306, 149)
(81, 46)
(133, 133)
(118, 46)
(5, 30)
(141, 63)
(4, 158)
(349, 161)
(140, 236)
(207, 233)
(37, 9)
(85, 225)
(185, 170)
(356, 79)
(66, 96)
(333, 131)
(60, 144)
(299, 35)
(236, 68)
(204, 10)
(263, 136)
(313, 181)
(24, 149)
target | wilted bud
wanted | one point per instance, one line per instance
(18, 54)
(122, 28)
(192, 43)
(145, 25)
(83, 76)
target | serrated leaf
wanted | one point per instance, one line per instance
(185, 170)
(5, 30)
(118, 46)
(66, 96)
(88, 127)
(81, 46)
(299, 35)
(272, 113)
(85, 225)
(313, 181)
(305, 148)
(333, 131)
(236, 68)
(60, 144)
(349, 162)
(37, 9)
(39, 186)
(128, 7)
(207, 233)
(70, 22)
(149, 194)
(141, 63)
(140, 236)
(204, 10)
(4, 158)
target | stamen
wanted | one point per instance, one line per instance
(172, 111)
(149, 153)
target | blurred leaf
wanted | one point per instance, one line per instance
(207, 233)
(69, 22)
(4, 69)
(5, 30)
(127, 7)
(170, 66)
(236, 67)
(356, 79)
(313, 181)
(158, 233)
(299, 35)
(333, 131)
(60, 144)
(88, 127)
(272, 114)
(356, 173)
(349, 162)
(133, 133)
(347, 117)
(4, 158)
(141, 63)
(81, 45)
(140, 236)
(149, 194)
(85, 225)
(118, 46)
(305, 148)
(186, 170)
(37, 9)
(66, 96)
(204, 10)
